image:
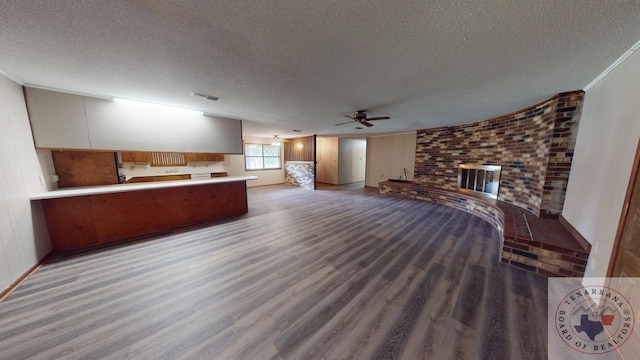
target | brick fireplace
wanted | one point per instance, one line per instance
(533, 146)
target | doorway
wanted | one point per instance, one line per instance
(341, 161)
(626, 250)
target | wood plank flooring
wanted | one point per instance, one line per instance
(338, 273)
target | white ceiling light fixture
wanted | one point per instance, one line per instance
(147, 105)
(276, 141)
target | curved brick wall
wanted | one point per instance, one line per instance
(534, 146)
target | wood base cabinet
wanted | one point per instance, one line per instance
(82, 221)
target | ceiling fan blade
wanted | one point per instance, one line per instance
(348, 122)
(365, 123)
(349, 117)
(378, 118)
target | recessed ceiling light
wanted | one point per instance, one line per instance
(208, 97)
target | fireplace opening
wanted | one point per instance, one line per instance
(479, 178)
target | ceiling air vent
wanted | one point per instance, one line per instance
(208, 97)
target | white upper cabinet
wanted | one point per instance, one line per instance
(108, 125)
(127, 127)
(228, 138)
(57, 120)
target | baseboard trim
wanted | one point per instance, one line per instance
(575, 233)
(23, 277)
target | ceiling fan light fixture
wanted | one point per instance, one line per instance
(360, 118)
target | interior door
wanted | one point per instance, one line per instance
(627, 256)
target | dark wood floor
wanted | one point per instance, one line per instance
(330, 274)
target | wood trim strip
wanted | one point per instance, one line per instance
(315, 162)
(23, 277)
(625, 208)
(575, 233)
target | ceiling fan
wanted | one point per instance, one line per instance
(361, 117)
(277, 141)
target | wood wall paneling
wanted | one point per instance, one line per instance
(299, 149)
(327, 158)
(85, 168)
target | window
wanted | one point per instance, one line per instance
(261, 157)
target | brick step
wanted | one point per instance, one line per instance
(557, 262)
(540, 245)
(529, 242)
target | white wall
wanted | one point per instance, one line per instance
(234, 165)
(607, 140)
(24, 238)
(387, 155)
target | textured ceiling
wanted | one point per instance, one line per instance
(283, 65)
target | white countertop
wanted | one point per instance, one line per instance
(116, 188)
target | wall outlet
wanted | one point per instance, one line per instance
(41, 180)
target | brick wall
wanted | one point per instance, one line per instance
(534, 147)
(299, 173)
(563, 143)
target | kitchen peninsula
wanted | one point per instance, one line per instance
(88, 216)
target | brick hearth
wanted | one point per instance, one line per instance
(539, 245)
